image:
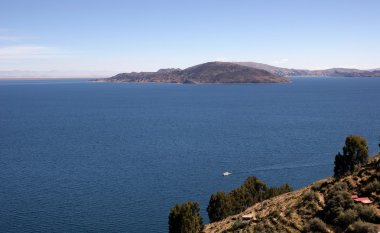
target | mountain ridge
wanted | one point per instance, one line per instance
(333, 72)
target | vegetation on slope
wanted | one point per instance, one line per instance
(325, 206)
(185, 218)
(222, 204)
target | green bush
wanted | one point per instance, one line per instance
(185, 218)
(366, 213)
(339, 186)
(377, 200)
(274, 214)
(309, 196)
(362, 227)
(337, 202)
(237, 226)
(315, 225)
(260, 228)
(345, 218)
(372, 187)
(308, 205)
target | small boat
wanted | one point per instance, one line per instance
(226, 173)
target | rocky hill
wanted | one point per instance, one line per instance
(275, 70)
(211, 72)
(329, 205)
(334, 72)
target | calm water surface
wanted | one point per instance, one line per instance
(77, 156)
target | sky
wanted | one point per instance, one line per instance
(142, 35)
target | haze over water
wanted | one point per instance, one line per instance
(79, 156)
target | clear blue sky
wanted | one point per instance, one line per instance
(146, 35)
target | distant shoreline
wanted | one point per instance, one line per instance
(145, 82)
(32, 79)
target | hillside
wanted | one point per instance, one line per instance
(334, 72)
(275, 70)
(304, 210)
(211, 72)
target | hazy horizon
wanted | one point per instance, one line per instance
(41, 74)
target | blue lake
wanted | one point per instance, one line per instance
(78, 156)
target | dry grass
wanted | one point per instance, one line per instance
(290, 213)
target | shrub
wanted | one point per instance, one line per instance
(274, 214)
(371, 187)
(309, 196)
(346, 218)
(315, 225)
(308, 204)
(339, 186)
(185, 218)
(362, 227)
(237, 226)
(377, 200)
(366, 213)
(316, 187)
(337, 202)
(260, 228)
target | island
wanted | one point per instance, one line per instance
(210, 72)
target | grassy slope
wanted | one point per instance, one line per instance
(287, 212)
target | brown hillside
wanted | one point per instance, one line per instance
(291, 212)
(211, 72)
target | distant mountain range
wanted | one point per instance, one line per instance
(26, 74)
(211, 72)
(334, 72)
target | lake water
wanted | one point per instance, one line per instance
(78, 156)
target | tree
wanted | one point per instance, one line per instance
(356, 148)
(185, 218)
(219, 206)
(341, 165)
(355, 153)
(222, 205)
(254, 186)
